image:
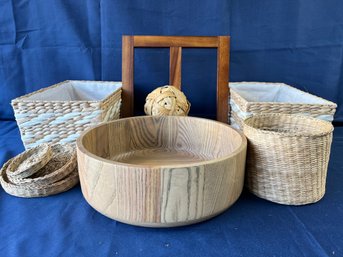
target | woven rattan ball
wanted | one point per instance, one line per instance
(166, 100)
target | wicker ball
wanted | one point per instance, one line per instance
(166, 100)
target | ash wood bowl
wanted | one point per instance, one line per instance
(161, 171)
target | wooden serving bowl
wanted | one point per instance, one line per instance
(161, 171)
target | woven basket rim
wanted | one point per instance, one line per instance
(328, 102)
(326, 127)
(23, 97)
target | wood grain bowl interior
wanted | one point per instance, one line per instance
(161, 171)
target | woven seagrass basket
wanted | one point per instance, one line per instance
(251, 98)
(287, 157)
(59, 113)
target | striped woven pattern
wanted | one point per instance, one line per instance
(287, 157)
(61, 121)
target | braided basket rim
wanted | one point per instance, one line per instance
(325, 126)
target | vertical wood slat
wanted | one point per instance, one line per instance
(175, 66)
(223, 78)
(127, 76)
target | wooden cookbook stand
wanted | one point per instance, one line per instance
(176, 43)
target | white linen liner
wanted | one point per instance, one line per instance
(76, 91)
(272, 92)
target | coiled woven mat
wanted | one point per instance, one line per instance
(41, 171)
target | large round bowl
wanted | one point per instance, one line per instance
(161, 171)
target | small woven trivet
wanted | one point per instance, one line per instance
(62, 163)
(29, 162)
(38, 191)
(58, 175)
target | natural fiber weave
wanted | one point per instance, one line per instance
(287, 157)
(316, 110)
(39, 191)
(62, 163)
(166, 100)
(29, 162)
(235, 120)
(62, 121)
(58, 175)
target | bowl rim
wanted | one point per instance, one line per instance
(80, 147)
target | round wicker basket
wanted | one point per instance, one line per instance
(288, 157)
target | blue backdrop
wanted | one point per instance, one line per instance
(296, 42)
(46, 41)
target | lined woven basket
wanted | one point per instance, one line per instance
(59, 113)
(251, 98)
(287, 157)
